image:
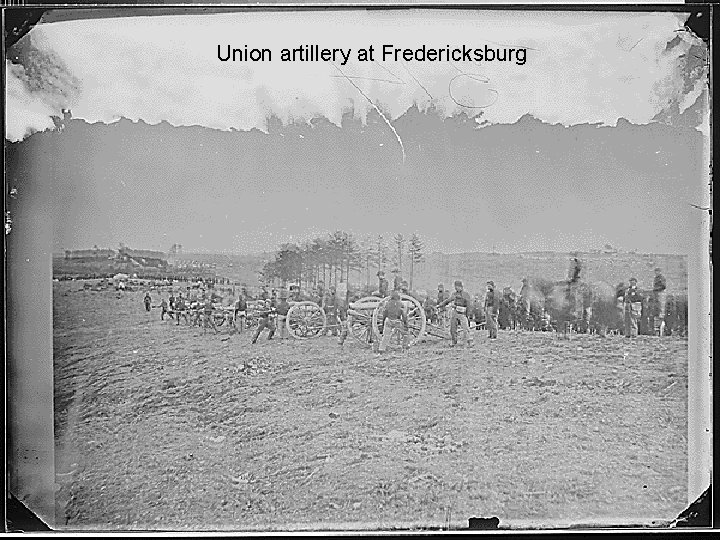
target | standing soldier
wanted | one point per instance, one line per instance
(633, 308)
(329, 306)
(394, 318)
(341, 307)
(397, 280)
(208, 319)
(164, 307)
(240, 314)
(282, 309)
(477, 312)
(266, 320)
(382, 284)
(264, 294)
(462, 302)
(180, 308)
(147, 300)
(171, 304)
(492, 301)
(441, 297)
(524, 307)
(660, 300)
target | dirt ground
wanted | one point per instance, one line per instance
(162, 427)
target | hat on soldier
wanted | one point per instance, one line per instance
(633, 279)
(491, 283)
(458, 283)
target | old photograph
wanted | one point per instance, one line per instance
(358, 270)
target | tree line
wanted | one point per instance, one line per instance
(333, 258)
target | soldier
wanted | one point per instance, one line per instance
(524, 304)
(633, 309)
(208, 319)
(394, 319)
(329, 306)
(147, 300)
(397, 280)
(509, 301)
(264, 294)
(164, 307)
(430, 310)
(441, 297)
(660, 301)
(492, 302)
(282, 309)
(180, 308)
(341, 307)
(382, 284)
(462, 303)
(477, 312)
(240, 314)
(266, 320)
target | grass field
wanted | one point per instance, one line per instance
(162, 427)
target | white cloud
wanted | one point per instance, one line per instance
(585, 67)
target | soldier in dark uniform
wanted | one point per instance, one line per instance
(266, 320)
(394, 319)
(382, 284)
(442, 295)
(633, 309)
(492, 303)
(397, 280)
(240, 314)
(462, 304)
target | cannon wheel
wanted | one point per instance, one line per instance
(360, 315)
(305, 320)
(415, 314)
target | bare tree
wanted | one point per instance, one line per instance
(400, 250)
(416, 247)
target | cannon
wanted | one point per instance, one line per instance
(365, 324)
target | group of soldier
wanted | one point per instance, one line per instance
(456, 309)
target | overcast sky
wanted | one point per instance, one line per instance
(552, 183)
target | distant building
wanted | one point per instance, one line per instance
(142, 257)
(90, 255)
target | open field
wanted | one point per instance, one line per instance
(162, 427)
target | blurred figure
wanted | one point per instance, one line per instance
(660, 301)
(240, 314)
(441, 297)
(382, 284)
(180, 308)
(266, 317)
(282, 309)
(477, 312)
(524, 304)
(329, 306)
(633, 309)
(164, 308)
(394, 319)
(492, 302)
(208, 319)
(397, 280)
(462, 302)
